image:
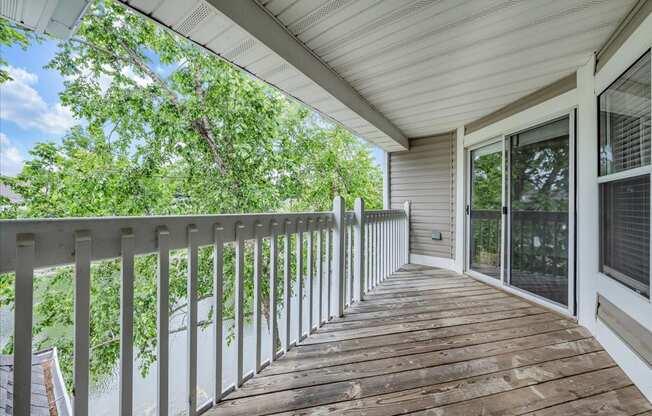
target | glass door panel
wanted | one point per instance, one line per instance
(539, 189)
(485, 210)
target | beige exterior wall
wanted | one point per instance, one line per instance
(425, 175)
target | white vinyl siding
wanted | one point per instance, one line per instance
(425, 175)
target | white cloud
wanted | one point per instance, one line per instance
(22, 104)
(11, 161)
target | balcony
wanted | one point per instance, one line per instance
(492, 115)
(371, 332)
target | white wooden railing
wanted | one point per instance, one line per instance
(354, 252)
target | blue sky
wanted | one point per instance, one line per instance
(30, 110)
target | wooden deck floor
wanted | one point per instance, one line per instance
(428, 341)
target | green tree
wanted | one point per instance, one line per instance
(197, 137)
(10, 36)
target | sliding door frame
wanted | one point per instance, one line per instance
(468, 198)
(503, 282)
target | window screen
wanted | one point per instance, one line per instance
(624, 139)
(624, 128)
(625, 229)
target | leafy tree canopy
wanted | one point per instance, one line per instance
(166, 128)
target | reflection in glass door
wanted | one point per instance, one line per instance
(485, 210)
(539, 189)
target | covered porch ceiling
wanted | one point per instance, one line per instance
(389, 70)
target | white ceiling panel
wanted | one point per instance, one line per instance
(399, 68)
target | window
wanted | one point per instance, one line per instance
(625, 120)
(625, 224)
(624, 135)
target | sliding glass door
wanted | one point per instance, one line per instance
(519, 222)
(539, 189)
(485, 210)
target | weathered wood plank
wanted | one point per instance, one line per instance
(352, 371)
(321, 337)
(527, 399)
(499, 298)
(440, 294)
(625, 401)
(300, 398)
(388, 286)
(419, 291)
(458, 391)
(405, 338)
(348, 325)
(424, 301)
(325, 359)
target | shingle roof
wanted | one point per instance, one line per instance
(49, 396)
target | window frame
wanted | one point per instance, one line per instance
(625, 174)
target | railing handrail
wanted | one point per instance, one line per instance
(106, 232)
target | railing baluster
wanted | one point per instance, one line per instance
(192, 319)
(359, 288)
(273, 268)
(299, 263)
(367, 230)
(218, 317)
(392, 248)
(258, 254)
(383, 242)
(162, 319)
(127, 323)
(379, 248)
(329, 267)
(311, 292)
(338, 254)
(23, 301)
(287, 284)
(239, 307)
(375, 250)
(349, 260)
(406, 232)
(82, 320)
(320, 273)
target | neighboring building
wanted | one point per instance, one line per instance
(49, 396)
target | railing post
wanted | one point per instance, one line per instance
(287, 285)
(338, 254)
(406, 207)
(299, 270)
(257, 318)
(82, 297)
(162, 319)
(359, 272)
(193, 270)
(24, 287)
(218, 296)
(238, 344)
(126, 323)
(273, 269)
